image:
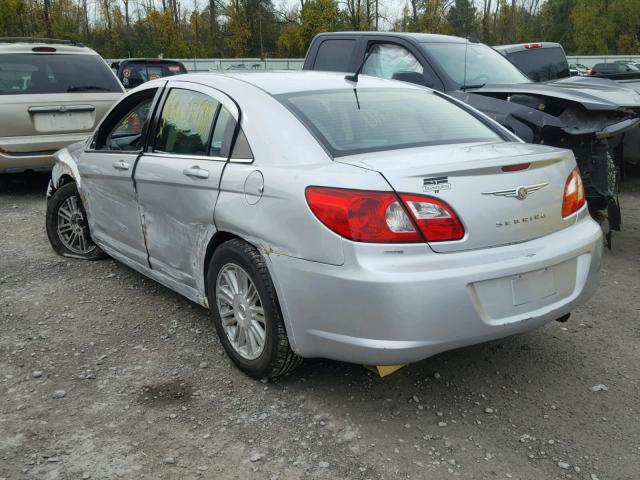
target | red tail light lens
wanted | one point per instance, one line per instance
(380, 217)
(437, 220)
(516, 167)
(43, 49)
(362, 216)
(574, 197)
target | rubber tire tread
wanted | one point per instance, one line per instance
(283, 359)
(60, 195)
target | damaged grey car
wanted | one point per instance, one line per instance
(377, 223)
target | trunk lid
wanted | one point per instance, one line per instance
(491, 203)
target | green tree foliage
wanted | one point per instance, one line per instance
(462, 18)
(256, 28)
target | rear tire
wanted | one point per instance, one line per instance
(67, 226)
(246, 312)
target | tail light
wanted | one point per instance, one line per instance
(516, 167)
(382, 217)
(573, 198)
(436, 220)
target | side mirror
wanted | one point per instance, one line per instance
(412, 77)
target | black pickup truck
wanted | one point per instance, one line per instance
(588, 116)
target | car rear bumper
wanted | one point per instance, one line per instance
(18, 154)
(384, 308)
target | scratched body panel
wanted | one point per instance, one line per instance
(164, 213)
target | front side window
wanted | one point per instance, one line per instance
(384, 119)
(123, 129)
(44, 73)
(386, 59)
(185, 123)
(474, 64)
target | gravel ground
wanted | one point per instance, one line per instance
(105, 374)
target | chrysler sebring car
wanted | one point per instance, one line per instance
(357, 219)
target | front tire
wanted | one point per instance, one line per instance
(67, 226)
(246, 312)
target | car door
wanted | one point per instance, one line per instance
(106, 171)
(178, 178)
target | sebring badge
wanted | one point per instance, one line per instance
(519, 192)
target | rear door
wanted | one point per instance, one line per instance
(178, 178)
(46, 97)
(106, 170)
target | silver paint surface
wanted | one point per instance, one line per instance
(369, 303)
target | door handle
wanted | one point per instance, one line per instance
(121, 165)
(196, 172)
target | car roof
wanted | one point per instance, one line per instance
(418, 37)
(26, 45)
(148, 60)
(279, 82)
(517, 47)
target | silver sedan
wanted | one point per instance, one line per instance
(362, 220)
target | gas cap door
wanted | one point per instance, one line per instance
(253, 187)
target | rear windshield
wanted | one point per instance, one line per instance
(384, 119)
(541, 64)
(30, 73)
(133, 74)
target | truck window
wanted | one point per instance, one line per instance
(541, 64)
(334, 55)
(385, 59)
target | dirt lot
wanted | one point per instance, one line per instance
(105, 374)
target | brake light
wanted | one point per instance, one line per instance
(382, 217)
(574, 197)
(362, 216)
(516, 167)
(436, 220)
(533, 45)
(43, 49)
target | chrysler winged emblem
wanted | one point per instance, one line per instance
(520, 193)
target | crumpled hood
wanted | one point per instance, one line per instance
(592, 93)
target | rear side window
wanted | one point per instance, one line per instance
(39, 73)
(185, 123)
(541, 64)
(384, 119)
(334, 55)
(222, 134)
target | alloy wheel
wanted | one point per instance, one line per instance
(241, 311)
(73, 230)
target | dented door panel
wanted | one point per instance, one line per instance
(177, 213)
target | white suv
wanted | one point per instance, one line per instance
(52, 93)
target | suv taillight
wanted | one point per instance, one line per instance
(382, 217)
(573, 198)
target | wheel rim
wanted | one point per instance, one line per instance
(241, 311)
(73, 230)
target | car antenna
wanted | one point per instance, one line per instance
(472, 39)
(354, 77)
